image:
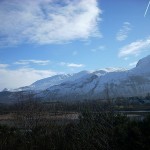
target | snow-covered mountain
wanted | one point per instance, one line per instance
(100, 84)
(45, 83)
(105, 83)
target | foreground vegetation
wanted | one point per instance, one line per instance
(91, 132)
(98, 127)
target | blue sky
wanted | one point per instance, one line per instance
(41, 38)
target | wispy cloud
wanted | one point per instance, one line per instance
(4, 65)
(32, 61)
(75, 65)
(72, 65)
(100, 48)
(123, 32)
(21, 77)
(47, 21)
(135, 48)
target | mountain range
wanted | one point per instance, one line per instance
(90, 85)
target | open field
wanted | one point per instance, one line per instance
(59, 118)
(64, 113)
(67, 117)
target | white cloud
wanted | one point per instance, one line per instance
(21, 77)
(75, 65)
(26, 62)
(47, 21)
(72, 65)
(133, 64)
(123, 32)
(135, 48)
(4, 65)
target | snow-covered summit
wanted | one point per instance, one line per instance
(92, 84)
(108, 70)
(5, 90)
(46, 83)
(118, 83)
(144, 62)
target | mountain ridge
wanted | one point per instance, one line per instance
(99, 84)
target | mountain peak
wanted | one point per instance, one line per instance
(92, 84)
(5, 90)
(144, 61)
